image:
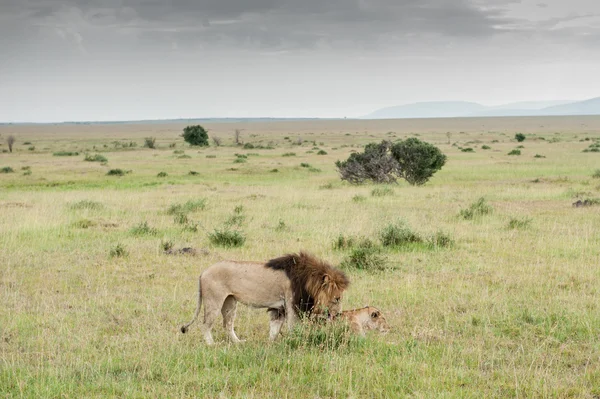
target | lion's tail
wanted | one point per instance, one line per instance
(185, 327)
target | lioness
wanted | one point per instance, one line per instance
(289, 286)
(367, 318)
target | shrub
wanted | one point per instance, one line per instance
(322, 152)
(7, 169)
(486, 147)
(367, 258)
(468, 149)
(520, 137)
(538, 156)
(211, 156)
(95, 158)
(596, 174)
(515, 152)
(413, 160)
(476, 209)
(118, 251)
(27, 172)
(162, 174)
(192, 173)
(240, 160)
(166, 245)
(305, 165)
(248, 146)
(149, 142)
(398, 234)
(382, 192)
(116, 172)
(289, 154)
(195, 135)
(142, 229)
(417, 160)
(227, 238)
(274, 170)
(516, 223)
(313, 169)
(65, 153)
(440, 240)
(84, 224)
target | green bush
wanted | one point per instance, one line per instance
(417, 160)
(227, 238)
(116, 172)
(142, 229)
(596, 174)
(366, 258)
(515, 152)
(187, 207)
(440, 240)
(468, 149)
(322, 152)
(516, 223)
(359, 198)
(7, 169)
(162, 174)
(248, 146)
(476, 209)
(150, 142)
(65, 153)
(520, 137)
(95, 158)
(486, 147)
(195, 135)
(398, 234)
(289, 154)
(305, 165)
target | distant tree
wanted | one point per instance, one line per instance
(413, 160)
(520, 137)
(237, 135)
(10, 140)
(417, 160)
(150, 142)
(216, 141)
(195, 135)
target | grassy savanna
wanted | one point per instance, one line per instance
(91, 306)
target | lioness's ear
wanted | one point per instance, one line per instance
(375, 315)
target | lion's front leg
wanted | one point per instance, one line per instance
(290, 312)
(277, 319)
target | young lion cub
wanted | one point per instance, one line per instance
(367, 318)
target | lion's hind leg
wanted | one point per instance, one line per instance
(212, 305)
(228, 311)
(277, 320)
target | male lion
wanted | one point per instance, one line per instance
(290, 286)
(367, 318)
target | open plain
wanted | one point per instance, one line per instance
(91, 305)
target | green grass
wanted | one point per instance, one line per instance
(502, 304)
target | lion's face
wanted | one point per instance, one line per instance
(329, 299)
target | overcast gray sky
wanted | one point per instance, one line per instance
(152, 59)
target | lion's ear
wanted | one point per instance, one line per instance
(326, 279)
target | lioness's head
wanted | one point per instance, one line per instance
(376, 321)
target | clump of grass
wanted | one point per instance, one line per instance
(398, 234)
(440, 240)
(382, 192)
(476, 209)
(7, 169)
(519, 223)
(359, 198)
(314, 170)
(274, 170)
(166, 245)
(305, 165)
(86, 204)
(95, 158)
(65, 153)
(187, 207)
(142, 229)
(184, 156)
(27, 172)
(162, 174)
(324, 337)
(227, 238)
(514, 152)
(237, 218)
(118, 251)
(84, 224)
(178, 152)
(596, 174)
(248, 146)
(322, 152)
(327, 186)
(368, 258)
(211, 156)
(486, 147)
(289, 154)
(468, 149)
(240, 160)
(539, 156)
(281, 226)
(181, 218)
(192, 173)
(116, 172)
(150, 142)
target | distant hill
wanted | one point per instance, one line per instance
(428, 110)
(455, 109)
